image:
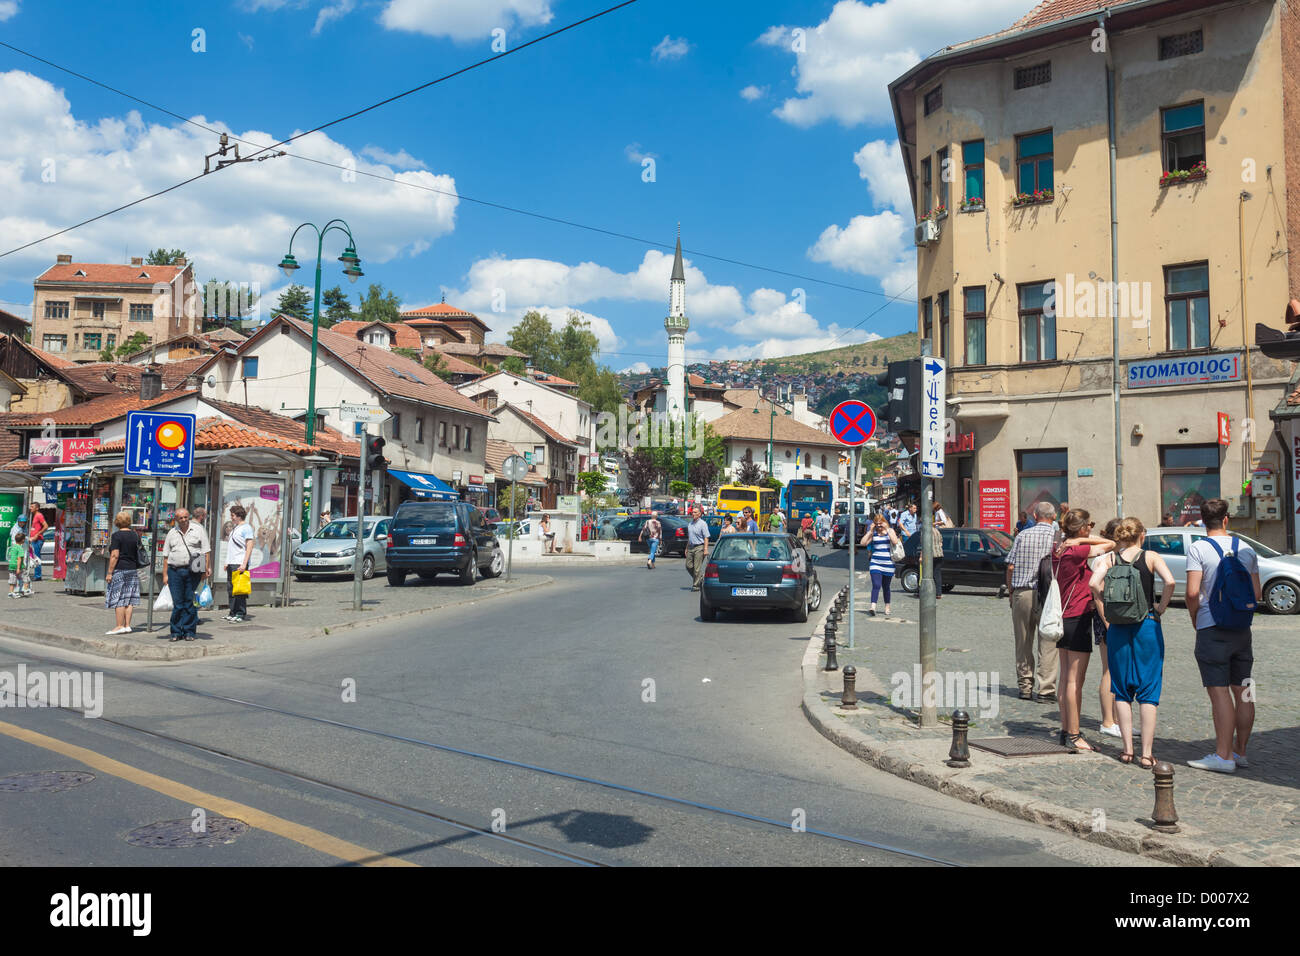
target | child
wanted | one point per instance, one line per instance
(17, 561)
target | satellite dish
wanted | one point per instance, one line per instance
(212, 381)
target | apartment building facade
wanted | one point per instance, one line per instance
(1008, 145)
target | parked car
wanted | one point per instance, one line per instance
(674, 533)
(749, 571)
(972, 557)
(840, 524)
(1279, 574)
(490, 515)
(441, 537)
(333, 549)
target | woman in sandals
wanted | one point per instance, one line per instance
(1136, 651)
(1075, 645)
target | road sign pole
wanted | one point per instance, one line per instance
(928, 592)
(510, 542)
(853, 543)
(361, 521)
(153, 553)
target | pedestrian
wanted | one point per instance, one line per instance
(546, 534)
(728, 526)
(908, 521)
(1063, 509)
(17, 558)
(1135, 642)
(36, 539)
(823, 526)
(776, 522)
(201, 517)
(1024, 522)
(806, 530)
(880, 537)
(748, 522)
(941, 519)
(650, 533)
(24, 579)
(697, 547)
(1109, 727)
(122, 593)
(1075, 644)
(1027, 553)
(239, 552)
(1222, 573)
(186, 554)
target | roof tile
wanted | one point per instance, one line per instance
(97, 411)
(99, 273)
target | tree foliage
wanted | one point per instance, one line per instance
(570, 352)
(165, 257)
(642, 473)
(679, 488)
(749, 472)
(593, 482)
(514, 365)
(295, 301)
(379, 306)
(135, 343)
(337, 307)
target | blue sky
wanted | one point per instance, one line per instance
(771, 146)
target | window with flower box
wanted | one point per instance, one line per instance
(1182, 131)
(1034, 180)
(972, 156)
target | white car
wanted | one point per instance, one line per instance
(1279, 574)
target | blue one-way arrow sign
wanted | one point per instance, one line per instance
(159, 445)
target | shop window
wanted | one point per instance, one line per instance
(56, 310)
(1034, 162)
(1037, 323)
(975, 320)
(1189, 477)
(1187, 306)
(1183, 136)
(1041, 476)
(972, 156)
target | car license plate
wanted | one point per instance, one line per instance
(749, 592)
(424, 541)
(307, 562)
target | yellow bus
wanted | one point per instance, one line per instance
(732, 499)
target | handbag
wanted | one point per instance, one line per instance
(241, 583)
(196, 560)
(141, 553)
(896, 552)
(936, 544)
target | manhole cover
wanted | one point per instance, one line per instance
(1019, 746)
(180, 833)
(44, 781)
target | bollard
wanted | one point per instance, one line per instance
(849, 699)
(959, 752)
(831, 663)
(1164, 816)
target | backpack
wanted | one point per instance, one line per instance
(1122, 594)
(1232, 599)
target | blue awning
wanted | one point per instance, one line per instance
(63, 481)
(424, 486)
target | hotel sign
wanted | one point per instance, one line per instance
(1202, 370)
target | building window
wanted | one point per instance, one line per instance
(976, 322)
(442, 434)
(455, 436)
(248, 367)
(1189, 476)
(92, 340)
(934, 100)
(927, 190)
(823, 462)
(97, 309)
(1181, 44)
(1041, 476)
(1037, 323)
(396, 426)
(945, 173)
(943, 325)
(54, 343)
(112, 339)
(1034, 162)
(419, 431)
(56, 310)
(1036, 75)
(1187, 306)
(1183, 136)
(972, 157)
(469, 438)
(539, 454)
(142, 313)
(927, 318)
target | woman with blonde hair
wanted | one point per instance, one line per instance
(1070, 565)
(123, 591)
(880, 538)
(1136, 650)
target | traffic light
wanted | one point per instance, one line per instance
(902, 382)
(375, 460)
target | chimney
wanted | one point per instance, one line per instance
(137, 261)
(150, 384)
(65, 260)
(801, 403)
(180, 262)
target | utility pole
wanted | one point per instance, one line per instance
(929, 644)
(361, 524)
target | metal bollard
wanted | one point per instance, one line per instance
(849, 699)
(831, 663)
(959, 752)
(1164, 815)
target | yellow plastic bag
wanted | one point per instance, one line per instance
(241, 583)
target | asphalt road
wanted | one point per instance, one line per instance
(596, 720)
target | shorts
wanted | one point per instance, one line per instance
(1078, 634)
(13, 579)
(1224, 656)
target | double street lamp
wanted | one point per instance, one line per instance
(289, 265)
(771, 429)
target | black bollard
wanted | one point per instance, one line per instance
(849, 699)
(831, 663)
(1164, 816)
(959, 752)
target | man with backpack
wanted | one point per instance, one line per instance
(1223, 590)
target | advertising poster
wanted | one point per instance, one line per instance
(11, 506)
(263, 498)
(995, 505)
(60, 547)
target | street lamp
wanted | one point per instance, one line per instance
(289, 265)
(771, 428)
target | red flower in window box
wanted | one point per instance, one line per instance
(1174, 176)
(1030, 199)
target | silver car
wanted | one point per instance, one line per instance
(1279, 574)
(333, 549)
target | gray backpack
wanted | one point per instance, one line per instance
(1122, 593)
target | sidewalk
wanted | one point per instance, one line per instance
(52, 616)
(1251, 817)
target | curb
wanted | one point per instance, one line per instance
(185, 651)
(902, 760)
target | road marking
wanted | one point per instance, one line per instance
(307, 836)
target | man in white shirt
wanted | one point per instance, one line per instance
(186, 559)
(1223, 655)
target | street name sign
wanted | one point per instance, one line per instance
(853, 422)
(159, 445)
(352, 412)
(932, 407)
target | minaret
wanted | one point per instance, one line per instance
(676, 325)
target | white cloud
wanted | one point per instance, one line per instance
(8, 8)
(21, 309)
(671, 49)
(833, 337)
(235, 224)
(636, 368)
(332, 11)
(881, 165)
(400, 159)
(464, 20)
(247, 40)
(844, 65)
(636, 155)
(876, 246)
(753, 93)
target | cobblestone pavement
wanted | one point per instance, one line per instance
(1252, 815)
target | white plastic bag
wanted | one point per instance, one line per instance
(1050, 624)
(164, 602)
(204, 597)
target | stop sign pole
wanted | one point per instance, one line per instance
(853, 423)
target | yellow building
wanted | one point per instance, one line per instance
(1155, 125)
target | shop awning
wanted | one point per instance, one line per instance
(63, 481)
(424, 486)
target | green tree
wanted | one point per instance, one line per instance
(165, 257)
(520, 501)
(679, 488)
(642, 473)
(749, 473)
(592, 482)
(435, 364)
(514, 365)
(599, 388)
(223, 300)
(379, 306)
(135, 343)
(295, 301)
(411, 354)
(534, 336)
(337, 307)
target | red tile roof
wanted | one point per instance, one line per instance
(1049, 11)
(216, 434)
(49, 358)
(329, 439)
(223, 335)
(543, 378)
(494, 454)
(98, 273)
(537, 423)
(443, 310)
(93, 377)
(97, 411)
(404, 337)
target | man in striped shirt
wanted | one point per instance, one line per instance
(1027, 552)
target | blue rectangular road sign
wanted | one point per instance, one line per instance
(159, 445)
